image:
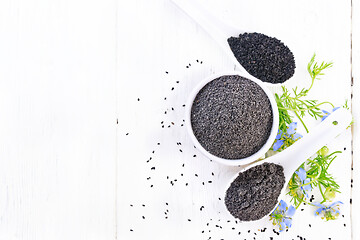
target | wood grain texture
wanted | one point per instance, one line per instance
(356, 114)
(57, 79)
(170, 181)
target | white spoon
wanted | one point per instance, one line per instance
(217, 29)
(291, 158)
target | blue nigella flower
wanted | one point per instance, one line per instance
(304, 180)
(288, 138)
(326, 113)
(282, 215)
(331, 212)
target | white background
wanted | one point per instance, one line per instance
(82, 88)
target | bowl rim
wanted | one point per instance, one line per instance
(232, 162)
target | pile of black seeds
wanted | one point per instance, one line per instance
(254, 193)
(231, 117)
(264, 57)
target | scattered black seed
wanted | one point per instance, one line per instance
(183, 105)
(151, 185)
(167, 204)
(239, 233)
(233, 228)
(127, 134)
(197, 60)
(212, 174)
(196, 175)
(143, 217)
(344, 225)
(183, 165)
(201, 208)
(201, 62)
(203, 183)
(158, 143)
(350, 200)
(117, 121)
(231, 117)
(167, 177)
(264, 57)
(309, 225)
(302, 209)
(165, 98)
(138, 99)
(248, 231)
(219, 199)
(131, 230)
(143, 205)
(344, 148)
(254, 193)
(177, 81)
(148, 178)
(194, 155)
(209, 181)
(187, 66)
(181, 174)
(202, 231)
(180, 150)
(165, 112)
(153, 168)
(186, 184)
(131, 205)
(189, 220)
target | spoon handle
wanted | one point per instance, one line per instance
(214, 26)
(296, 154)
(217, 29)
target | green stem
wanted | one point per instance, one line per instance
(305, 109)
(302, 122)
(322, 194)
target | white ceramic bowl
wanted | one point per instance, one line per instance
(233, 162)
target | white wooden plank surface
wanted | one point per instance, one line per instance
(57, 124)
(69, 69)
(356, 114)
(166, 40)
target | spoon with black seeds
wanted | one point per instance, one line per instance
(264, 57)
(254, 192)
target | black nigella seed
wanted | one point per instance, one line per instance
(138, 99)
(127, 134)
(196, 175)
(254, 193)
(189, 220)
(143, 217)
(153, 168)
(143, 205)
(264, 57)
(194, 156)
(167, 72)
(131, 230)
(231, 117)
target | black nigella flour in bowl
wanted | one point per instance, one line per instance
(254, 193)
(231, 117)
(264, 57)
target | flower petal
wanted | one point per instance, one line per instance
(280, 133)
(288, 222)
(282, 206)
(325, 112)
(324, 117)
(318, 211)
(302, 174)
(292, 128)
(282, 226)
(278, 144)
(296, 136)
(291, 211)
(335, 203)
(336, 108)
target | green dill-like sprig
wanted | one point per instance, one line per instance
(294, 101)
